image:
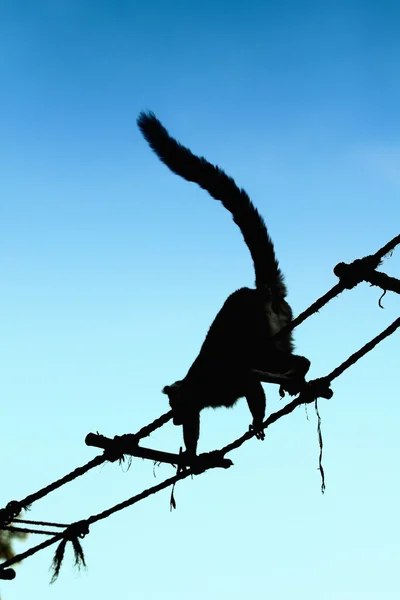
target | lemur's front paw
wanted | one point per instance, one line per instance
(293, 388)
(258, 430)
(187, 459)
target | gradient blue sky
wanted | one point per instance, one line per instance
(113, 268)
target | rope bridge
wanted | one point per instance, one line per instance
(350, 275)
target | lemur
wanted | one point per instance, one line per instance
(238, 340)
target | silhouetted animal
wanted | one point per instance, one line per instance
(238, 340)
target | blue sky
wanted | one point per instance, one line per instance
(113, 269)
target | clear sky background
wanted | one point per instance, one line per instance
(112, 269)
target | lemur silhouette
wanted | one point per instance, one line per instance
(239, 339)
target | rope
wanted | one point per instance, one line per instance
(384, 281)
(26, 530)
(103, 515)
(355, 270)
(41, 523)
(13, 508)
(387, 248)
(363, 351)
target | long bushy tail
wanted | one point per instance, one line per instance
(223, 188)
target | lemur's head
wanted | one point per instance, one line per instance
(177, 400)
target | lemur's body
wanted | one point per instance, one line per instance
(238, 340)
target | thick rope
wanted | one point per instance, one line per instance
(41, 523)
(26, 530)
(384, 281)
(389, 247)
(373, 260)
(13, 508)
(103, 515)
(363, 351)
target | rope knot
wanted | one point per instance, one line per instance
(80, 529)
(72, 534)
(320, 388)
(209, 460)
(116, 448)
(355, 272)
(7, 574)
(10, 512)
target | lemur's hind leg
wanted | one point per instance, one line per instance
(288, 370)
(256, 401)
